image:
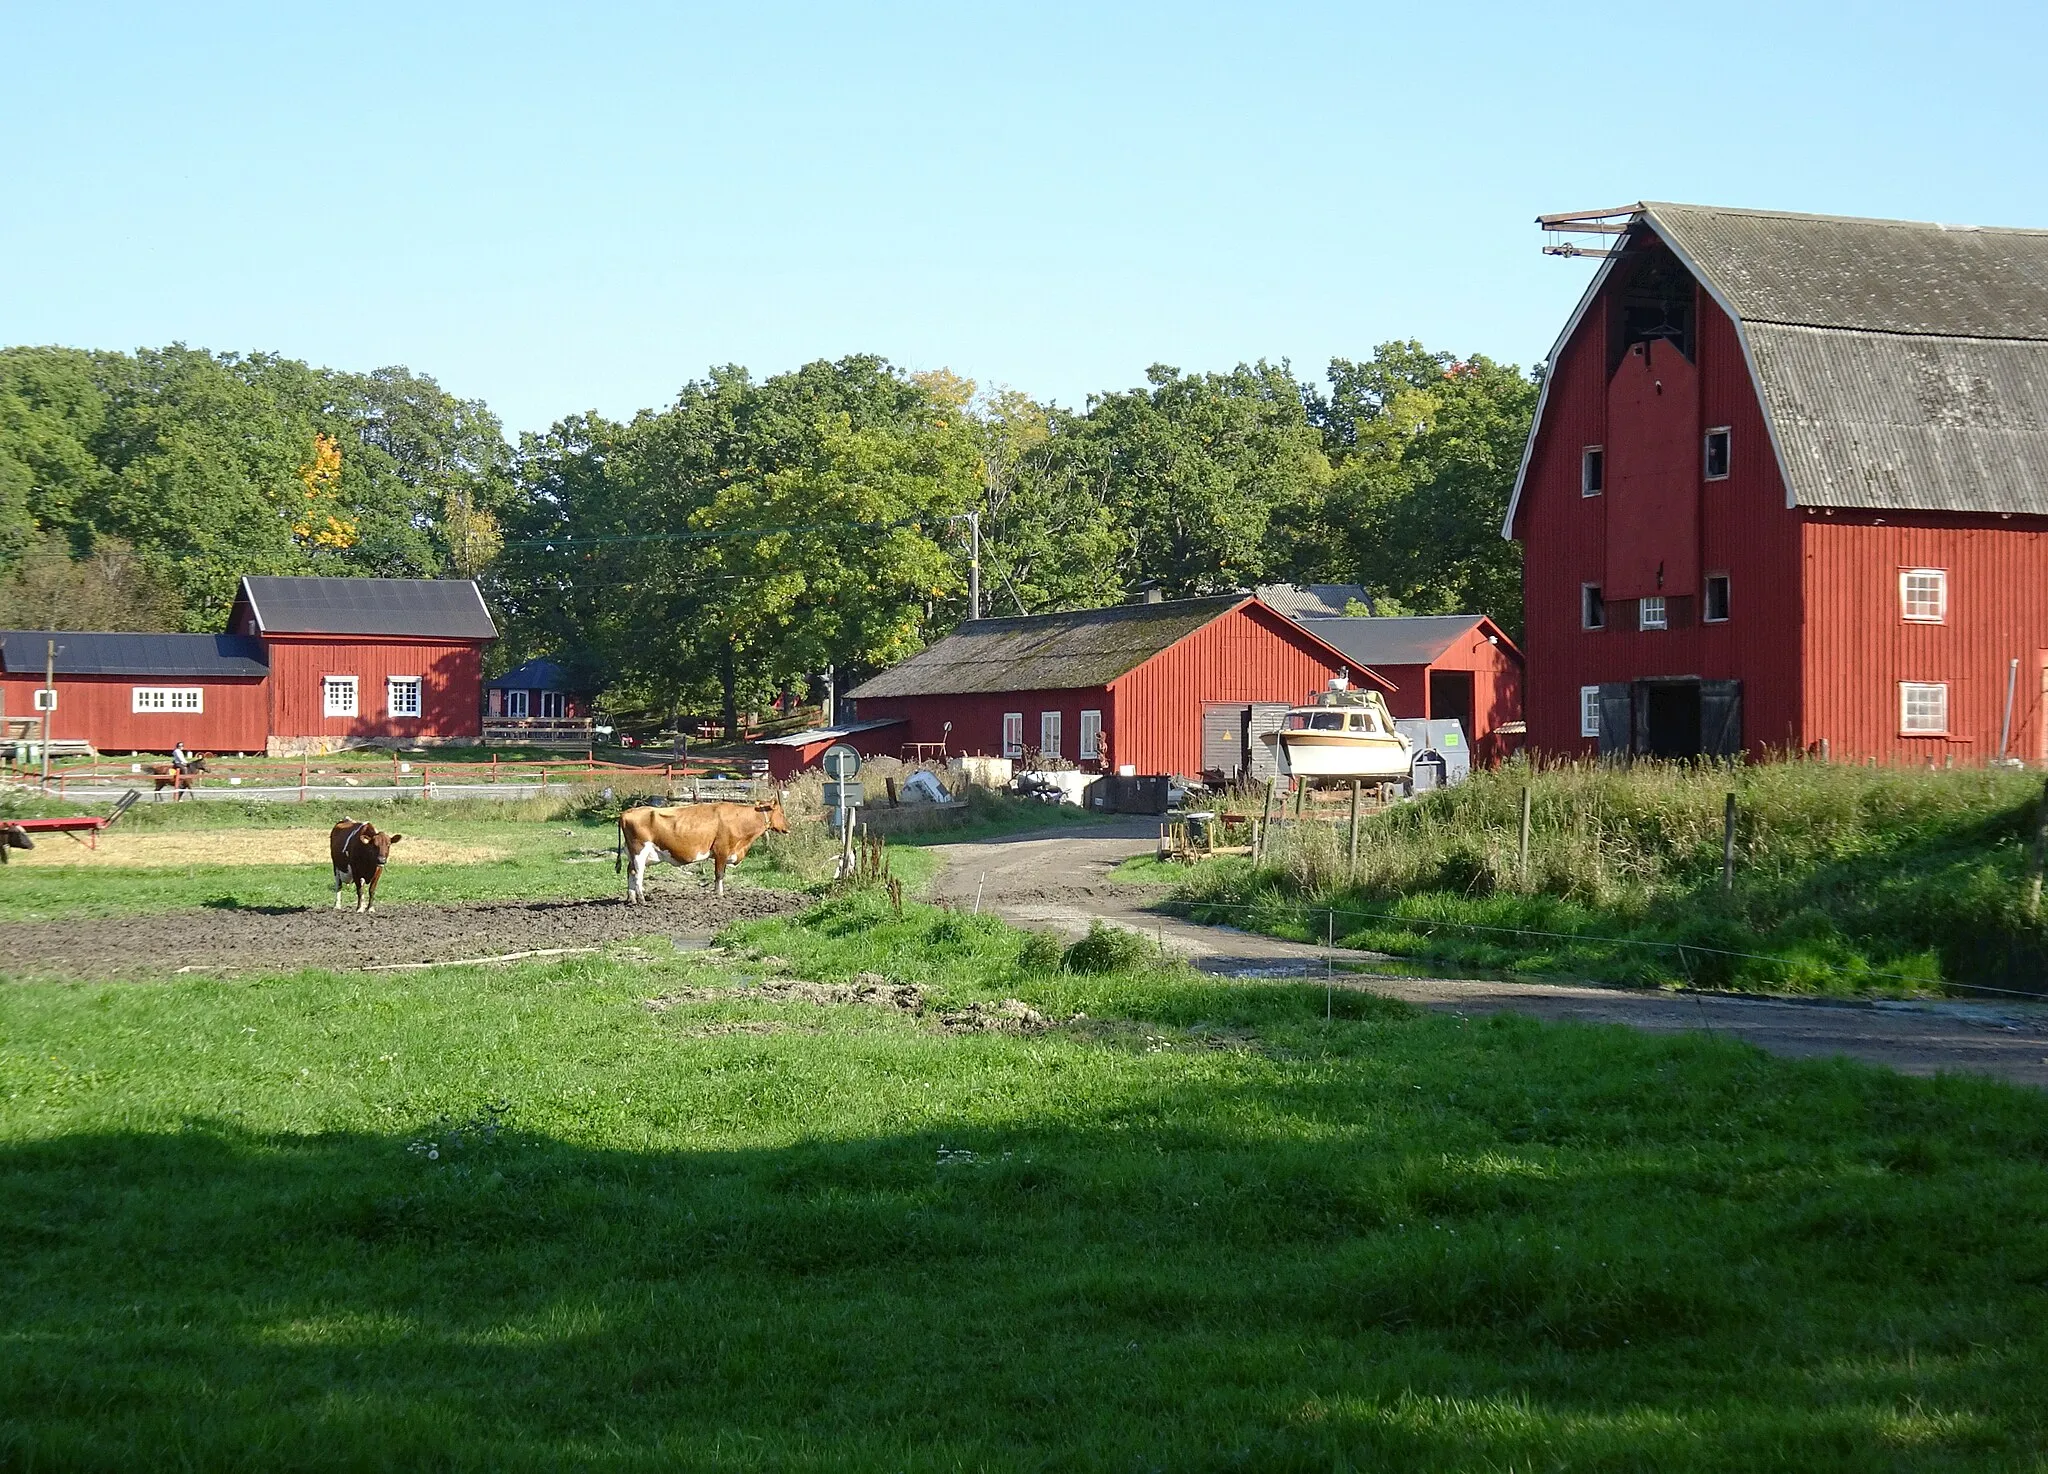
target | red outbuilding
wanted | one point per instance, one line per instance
(1787, 489)
(1128, 686)
(309, 665)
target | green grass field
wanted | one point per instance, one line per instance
(514, 1218)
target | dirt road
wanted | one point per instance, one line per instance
(1059, 880)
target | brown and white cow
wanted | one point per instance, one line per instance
(13, 837)
(687, 833)
(359, 850)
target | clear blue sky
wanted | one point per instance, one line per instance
(561, 208)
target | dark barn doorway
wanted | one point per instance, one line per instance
(1450, 698)
(1671, 719)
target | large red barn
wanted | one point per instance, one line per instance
(309, 665)
(1106, 688)
(1787, 489)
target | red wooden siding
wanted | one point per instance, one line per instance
(978, 720)
(1859, 646)
(1653, 477)
(1744, 530)
(1250, 654)
(451, 687)
(101, 710)
(1496, 689)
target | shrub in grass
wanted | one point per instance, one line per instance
(1041, 952)
(1107, 949)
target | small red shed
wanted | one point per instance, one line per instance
(356, 660)
(1443, 667)
(140, 692)
(1126, 686)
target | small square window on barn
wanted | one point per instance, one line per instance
(338, 696)
(1715, 604)
(1592, 471)
(169, 698)
(1923, 595)
(1589, 711)
(402, 696)
(1717, 454)
(1091, 734)
(1650, 613)
(1049, 733)
(1592, 607)
(1013, 734)
(1923, 708)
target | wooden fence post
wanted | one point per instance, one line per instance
(2037, 862)
(302, 777)
(1728, 846)
(1353, 873)
(1522, 849)
(1262, 836)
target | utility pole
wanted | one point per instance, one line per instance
(49, 705)
(974, 564)
(831, 694)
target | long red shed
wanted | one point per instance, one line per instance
(140, 692)
(1787, 489)
(1105, 688)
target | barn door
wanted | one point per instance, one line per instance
(1720, 718)
(1260, 759)
(1223, 726)
(1617, 719)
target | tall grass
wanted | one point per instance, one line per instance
(1843, 875)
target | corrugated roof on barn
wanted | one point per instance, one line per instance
(1300, 601)
(1902, 365)
(420, 608)
(1047, 652)
(98, 653)
(1413, 639)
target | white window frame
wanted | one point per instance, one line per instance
(392, 686)
(552, 699)
(1589, 711)
(1707, 616)
(168, 700)
(1728, 453)
(1091, 734)
(1586, 486)
(329, 685)
(1013, 734)
(1932, 719)
(1587, 593)
(515, 705)
(1049, 733)
(1646, 619)
(1929, 611)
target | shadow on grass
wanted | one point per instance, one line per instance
(1692, 1266)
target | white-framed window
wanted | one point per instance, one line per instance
(402, 695)
(1013, 734)
(1592, 607)
(551, 704)
(338, 696)
(1717, 447)
(1049, 733)
(1923, 708)
(1592, 470)
(1091, 734)
(1589, 711)
(1650, 613)
(1923, 595)
(515, 703)
(170, 698)
(1714, 604)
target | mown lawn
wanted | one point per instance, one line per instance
(515, 1219)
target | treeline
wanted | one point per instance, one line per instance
(735, 544)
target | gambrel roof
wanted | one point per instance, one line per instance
(1901, 365)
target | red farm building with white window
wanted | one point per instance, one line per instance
(309, 665)
(1133, 685)
(1787, 489)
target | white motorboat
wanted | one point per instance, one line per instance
(1341, 733)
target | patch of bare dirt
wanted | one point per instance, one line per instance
(868, 990)
(134, 848)
(235, 940)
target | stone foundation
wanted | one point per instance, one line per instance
(328, 746)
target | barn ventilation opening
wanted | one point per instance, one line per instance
(1655, 304)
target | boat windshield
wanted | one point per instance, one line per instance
(1315, 721)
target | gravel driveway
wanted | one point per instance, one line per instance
(1059, 880)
